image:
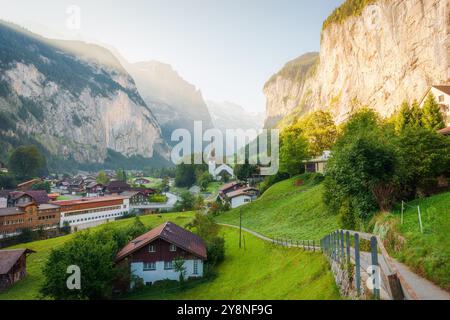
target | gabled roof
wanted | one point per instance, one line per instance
(8, 258)
(229, 186)
(444, 88)
(39, 196)
(118, 184)
(26, 183)
(171, 233)
(241, 192)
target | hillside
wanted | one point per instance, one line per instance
(428, 253)
(270, 273)
(74, 100)
(373, 52)
(286, 210)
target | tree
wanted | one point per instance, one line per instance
(43, 185)
(185, 175)
(27, 162)
(204, 180)
(416, 119)
(178, 266)
(94, 253)
(403, 117)
(102, 178)
(425, 155)
(136, 229)
(186, 203)
(432, 117)
(121, 175)
(7, 181)
(320, 131)
(245, 171)
(293, 150)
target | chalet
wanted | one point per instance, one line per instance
(442, 94)
(229, 187)
(117, 187)
(76, 186)
(4, 198)
(94, 189)
(24, 186)
(37, 196)
(13, 266)
(147, 192)
(150, 256)
(242, 196)
(136, 197)
(29, 215)
(318, 164)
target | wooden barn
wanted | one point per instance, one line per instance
(13, 266)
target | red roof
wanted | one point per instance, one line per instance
(171, 233)
(86, 200)
(241, 192)
(8, 258)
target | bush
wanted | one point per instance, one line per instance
(158, 198)
(216, 250)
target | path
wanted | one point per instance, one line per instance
(424, 289)
(171, 201)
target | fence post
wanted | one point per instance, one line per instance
(375, 267)
(420, 219)
(348, 246)
(342, 247)
(357, 266)
(314, 246)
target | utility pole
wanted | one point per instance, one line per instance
(240, 228)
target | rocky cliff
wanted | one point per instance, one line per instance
(175, 102)
(74, 99)
(388, 51)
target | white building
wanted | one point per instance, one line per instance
(242, 196)
(442, 95)
(151, 257)
(89, 212)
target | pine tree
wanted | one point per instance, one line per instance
(416, 115)
(432, 117)
(404, 117)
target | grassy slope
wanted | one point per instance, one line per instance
(286, 210)
(28, 288)
(270, 273)
(428, 253)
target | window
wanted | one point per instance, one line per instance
(152, 248)
(441, 98)
(195, 267)
(149, 266)
(168, 265)
(173, 248)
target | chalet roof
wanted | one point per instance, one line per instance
(171, 233)
(444, 88)
(93, 184)
(8, 258)
(118, 185)
(10, 211)
(63, 203)
(240, 192)
(230, 185)
(39, 196)
(26, 183)
(144, 191)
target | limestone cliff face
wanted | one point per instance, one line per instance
(393, 51)
(72, 104)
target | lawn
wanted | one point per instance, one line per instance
(286, 210)
(260, 271)
(28, 288)
(155, 182)
(429, 253)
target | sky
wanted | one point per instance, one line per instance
(227, 48)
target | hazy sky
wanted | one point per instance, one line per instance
(227, 48)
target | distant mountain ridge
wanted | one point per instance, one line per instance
(73, 99)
